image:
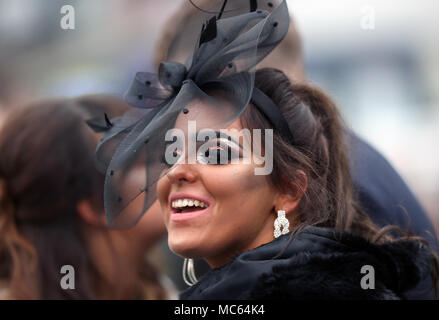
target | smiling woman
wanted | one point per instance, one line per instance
(226, 214)
(222, 211)
(230, 188)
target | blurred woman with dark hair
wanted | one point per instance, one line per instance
(51, 211)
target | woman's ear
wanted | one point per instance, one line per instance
(89, 214)
(288, 202)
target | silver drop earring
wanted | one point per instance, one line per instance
(281, 221)
(189, 272)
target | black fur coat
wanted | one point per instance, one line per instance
(320, 263)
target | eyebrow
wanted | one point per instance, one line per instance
(219, 134)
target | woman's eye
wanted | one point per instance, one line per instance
(218, 154)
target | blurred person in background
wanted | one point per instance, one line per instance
(380, 190)
(51, 211)
(12, 94)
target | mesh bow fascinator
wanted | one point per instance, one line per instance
(212, 88)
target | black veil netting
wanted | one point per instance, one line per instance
(235, 36)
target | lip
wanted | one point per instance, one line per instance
(190, 215)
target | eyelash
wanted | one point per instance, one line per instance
(231, 154)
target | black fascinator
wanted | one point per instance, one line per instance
(212, 88)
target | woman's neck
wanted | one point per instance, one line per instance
(265, 235)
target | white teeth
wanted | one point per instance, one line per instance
(181, 203)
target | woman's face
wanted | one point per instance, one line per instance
(240, 206)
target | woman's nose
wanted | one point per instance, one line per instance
(182, 172)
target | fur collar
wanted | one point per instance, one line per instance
(320, 263)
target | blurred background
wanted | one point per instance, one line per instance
(379, 60)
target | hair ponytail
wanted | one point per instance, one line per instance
(318, 150)
(330, 154)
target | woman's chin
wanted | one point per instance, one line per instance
(185, 249)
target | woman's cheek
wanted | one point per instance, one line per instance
(163, 188)
(232, 181)
(238, 195)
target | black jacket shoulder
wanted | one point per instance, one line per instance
(319, 263)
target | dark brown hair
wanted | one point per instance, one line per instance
(46, 168)
(318, 151)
